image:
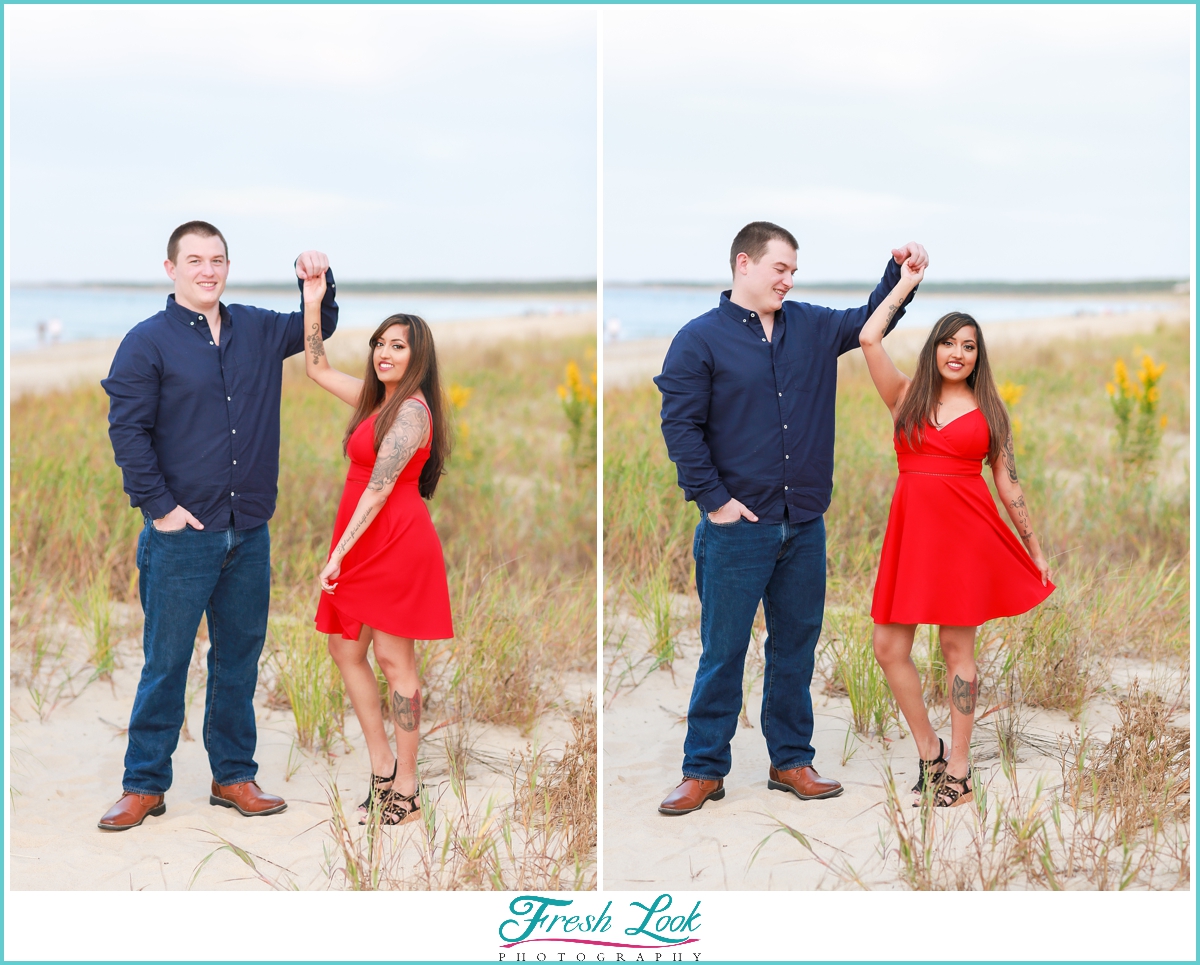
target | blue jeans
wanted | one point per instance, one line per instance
(738, 564)
(226, 576)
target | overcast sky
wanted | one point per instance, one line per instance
(408, 143)
(1016, 143)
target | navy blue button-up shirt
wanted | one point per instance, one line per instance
(196, 424)
(753, 419)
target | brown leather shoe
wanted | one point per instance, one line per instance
(691, 794)
(131, 811)
(250, 799)
(804, 782)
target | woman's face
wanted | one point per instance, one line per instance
(957, 354)
(391, 353)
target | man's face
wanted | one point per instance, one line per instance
(199, 272)
(767, 281)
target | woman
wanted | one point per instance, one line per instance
(385, 581)
(948, 558)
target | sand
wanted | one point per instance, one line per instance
(715, 848)
(75, 363)
(67, 766)
(633, 363)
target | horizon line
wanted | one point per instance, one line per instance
(1164, 285)
(429, 284)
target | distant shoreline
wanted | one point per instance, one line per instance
(492, 289)
(1159, 286)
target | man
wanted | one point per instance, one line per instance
(748, 394)
(194, 423)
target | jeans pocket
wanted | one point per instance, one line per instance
(725, 525)
(169, 532)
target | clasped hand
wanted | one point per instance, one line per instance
(311, 266)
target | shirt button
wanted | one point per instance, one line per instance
(235, 432)
(787, 457)
(785, 425)
(229, 398)
(235, 462)
(210, 343)
(743, 321)
(233, 494)
(193, 324)
(785, 488)
(780, 394)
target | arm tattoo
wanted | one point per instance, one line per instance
(398, 446)
(352, 531)
(963, 693)
(891, 313)
(407, 710)
(315, 343)
(1023, 523)
(1010, 459)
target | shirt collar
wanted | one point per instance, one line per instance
(187, 316)
(732, 310)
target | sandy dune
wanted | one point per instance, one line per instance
(67, 766)
(715, 848)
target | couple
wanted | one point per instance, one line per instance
(194, 397)
(748, 395)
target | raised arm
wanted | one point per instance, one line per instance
(405, 436)
(316, 362)
(890, 382)
(1009, 490)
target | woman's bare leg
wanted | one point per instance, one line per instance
(958, 647)
(351, 659)
(893, 650)
(398, 661)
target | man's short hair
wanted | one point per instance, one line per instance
(753, 240)
(201, 228)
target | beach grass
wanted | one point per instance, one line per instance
(515, 513)
(1116, 534)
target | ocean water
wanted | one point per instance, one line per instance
(661, 311)
(110, 313)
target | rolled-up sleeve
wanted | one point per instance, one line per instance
(133, 386)
(686, 387)
(849, 321)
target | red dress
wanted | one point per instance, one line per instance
(394, 577)
(948, 558)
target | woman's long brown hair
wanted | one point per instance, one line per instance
(422, 373)
(919, 407)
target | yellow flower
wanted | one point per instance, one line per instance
(1150, 373)
(1011, 393)
(562, 392)
(1162, 423)
(459, 396)
(1110, 388)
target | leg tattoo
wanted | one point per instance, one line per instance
(407, 710)
(963, 693)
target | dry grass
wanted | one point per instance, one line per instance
(515, 513)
